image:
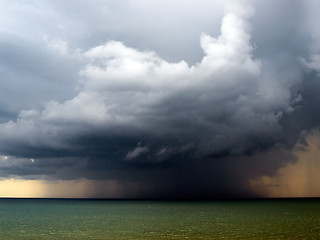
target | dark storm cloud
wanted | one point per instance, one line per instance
(179, 130)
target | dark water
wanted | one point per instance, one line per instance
(89, 219)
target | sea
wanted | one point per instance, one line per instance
(75, 219)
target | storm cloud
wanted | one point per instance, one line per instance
(79, 105)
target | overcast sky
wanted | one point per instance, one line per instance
(167, 99)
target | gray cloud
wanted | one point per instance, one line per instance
(92, 101)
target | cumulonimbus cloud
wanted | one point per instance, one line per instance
(225, 98)
(136, 108)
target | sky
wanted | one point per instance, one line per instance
(159, 99)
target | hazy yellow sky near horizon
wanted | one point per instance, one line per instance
(299, 179)
(81, 188)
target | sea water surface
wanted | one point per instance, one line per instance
(105, 219)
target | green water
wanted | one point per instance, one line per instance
(84, 219)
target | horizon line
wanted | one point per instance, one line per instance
(161, 199)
